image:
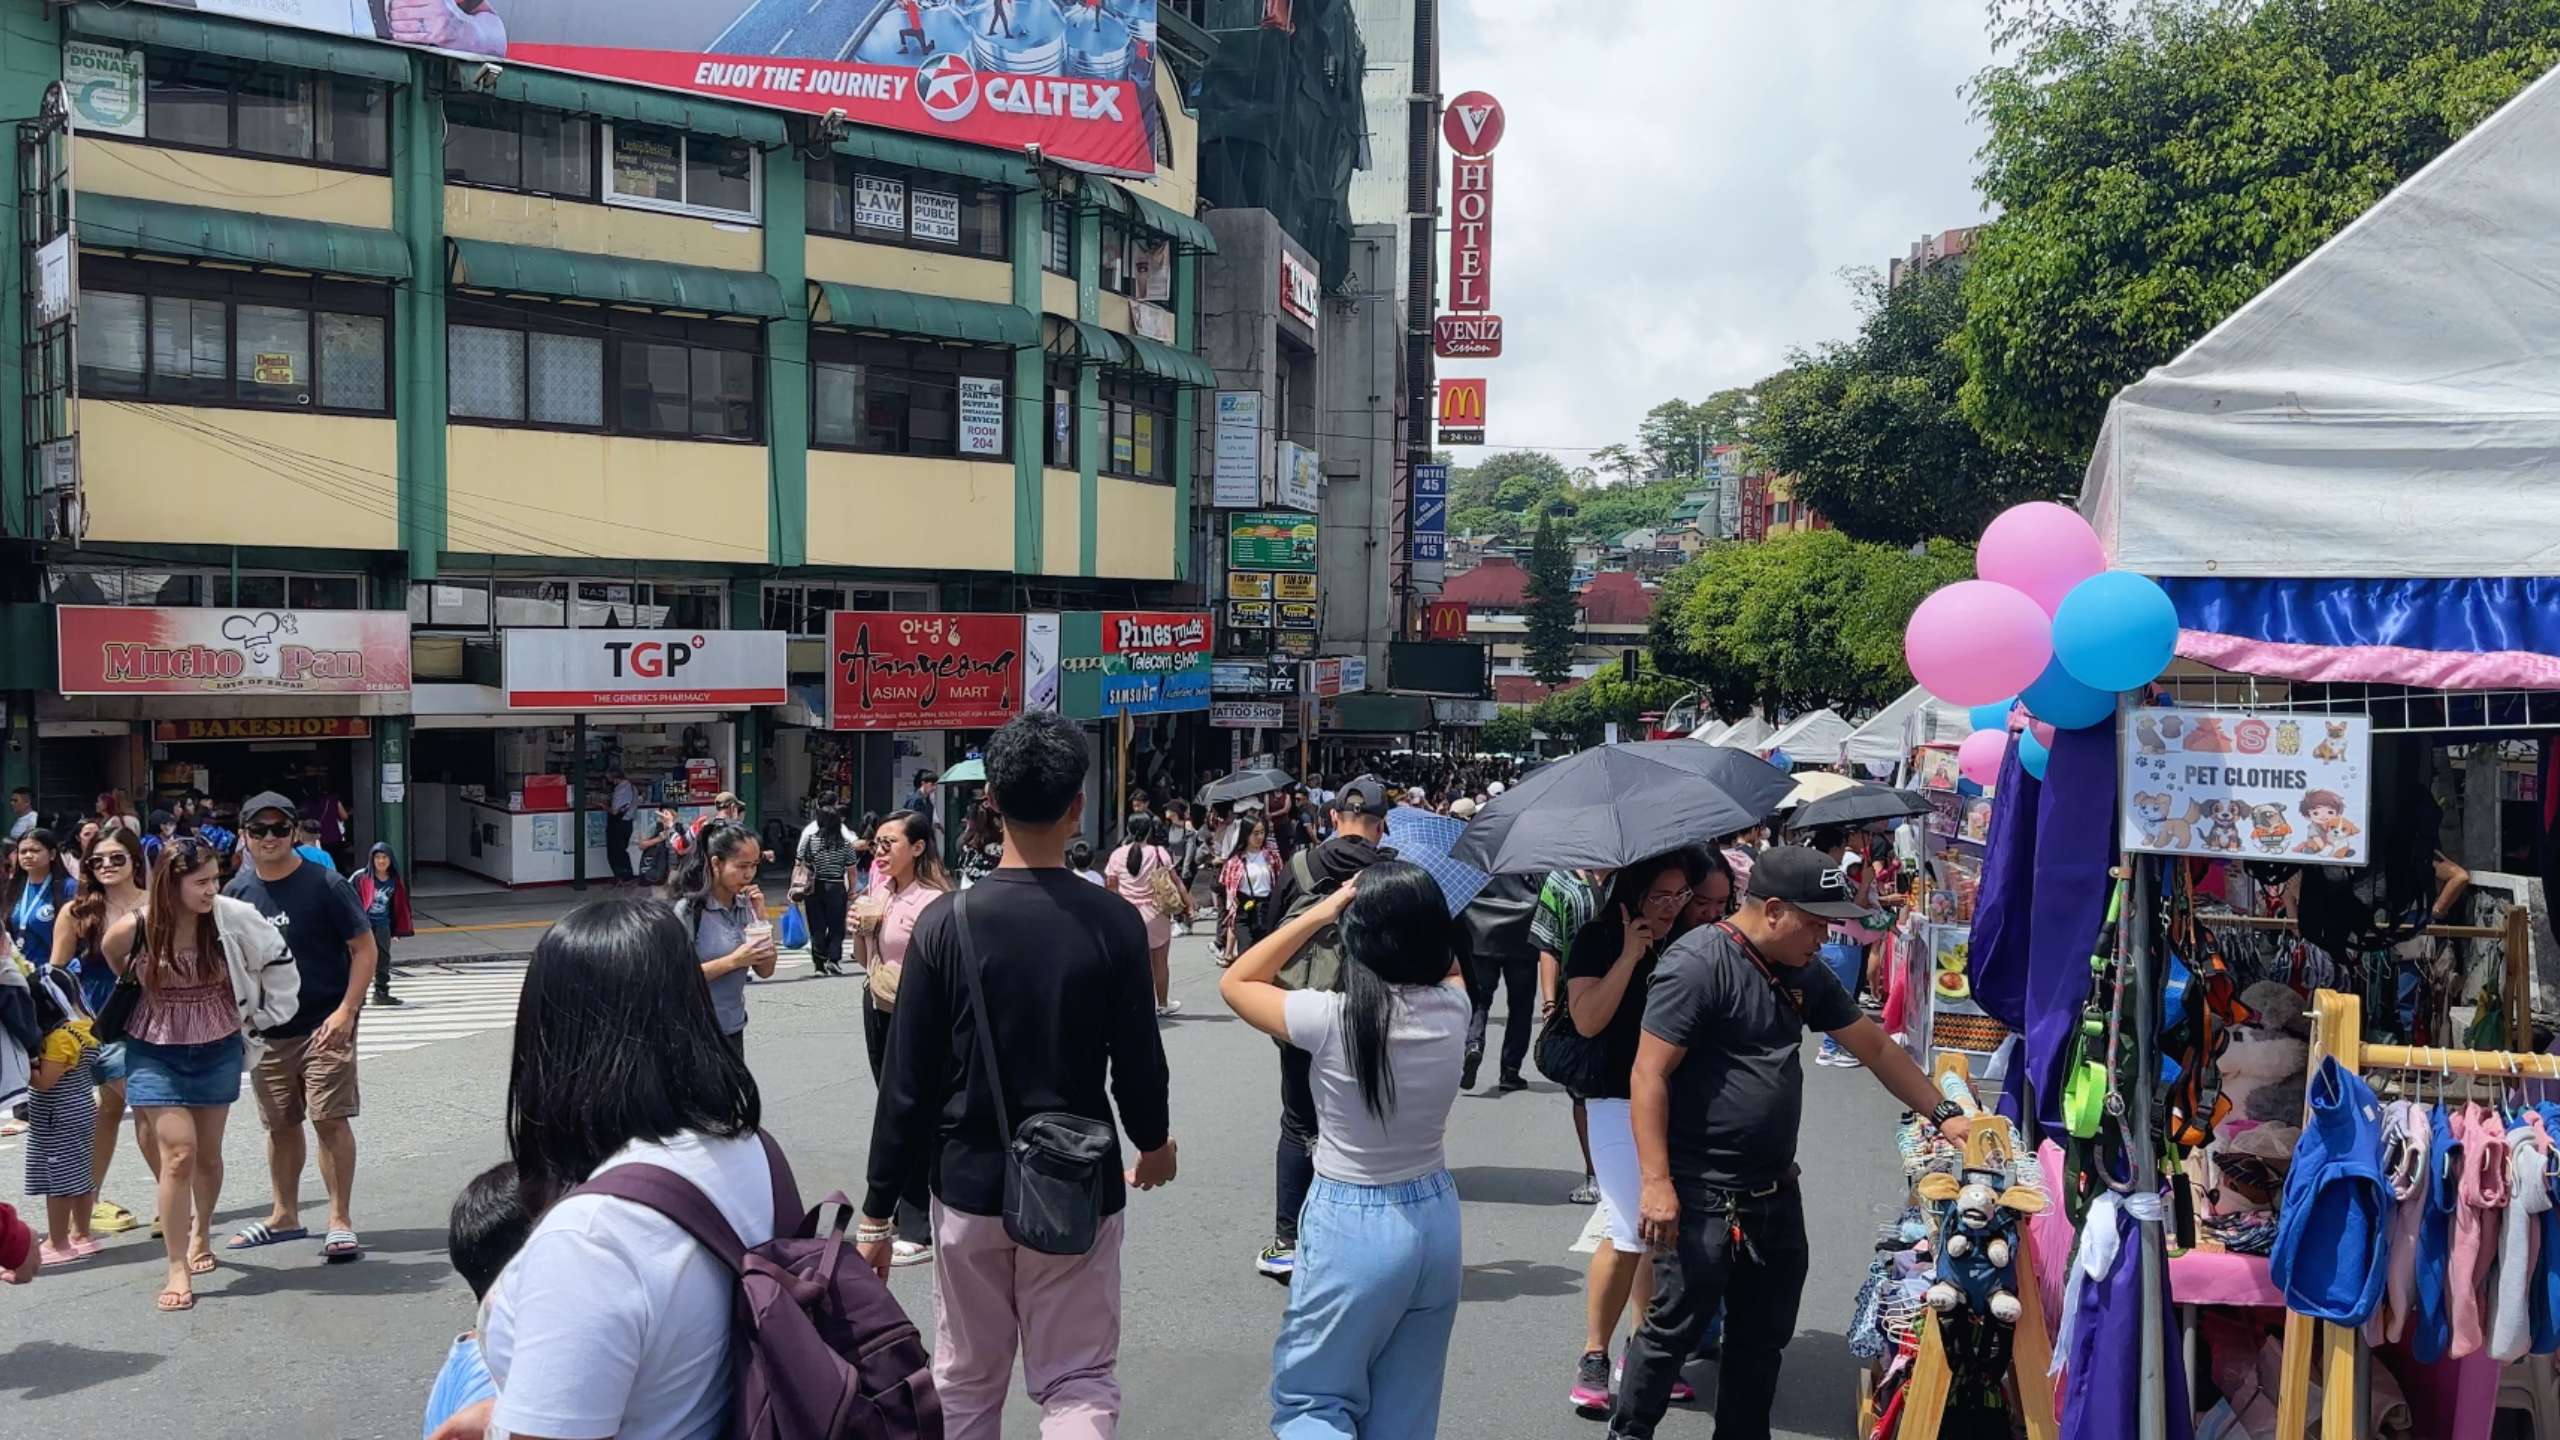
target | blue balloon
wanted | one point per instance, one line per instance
(2032, 753)
(2115, 631)
(1994, 716)
(2065, 703)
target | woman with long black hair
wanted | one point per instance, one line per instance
(611, 1320)
(1366, 1338)
(884, 921)
(723, 910)
(827, 852)
(111, 889)
(37, 893)
(1132, 874)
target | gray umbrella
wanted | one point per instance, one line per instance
(1245, 784)
(1857, 805)
(1614, 805)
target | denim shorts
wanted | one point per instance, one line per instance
(200, 1075)
(109, 1067)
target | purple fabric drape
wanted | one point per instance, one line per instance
(2105, 1375)
(2075, 846)
(1998, 960)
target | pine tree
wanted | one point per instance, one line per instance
(1552, 611)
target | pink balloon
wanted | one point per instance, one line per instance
(1974, 642)
(2042, 732)
(2041, 549)
(1978, 758)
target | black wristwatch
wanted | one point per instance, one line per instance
(1942, 1112)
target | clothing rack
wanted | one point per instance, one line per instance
(2337, 1033)
(2516, 936)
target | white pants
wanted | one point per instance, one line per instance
(1613, 1165)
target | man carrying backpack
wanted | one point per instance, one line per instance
(1359, 811)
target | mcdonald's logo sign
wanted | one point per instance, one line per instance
(1462, 403)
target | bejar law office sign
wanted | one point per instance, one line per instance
(646, 669)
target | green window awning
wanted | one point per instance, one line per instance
(613, 280)
(942, 157)
(193, 32)
(867, 307)
(631, 102)
(1105, 196)
(236, 237)
(1091, 343)
(1183, 228)
(1181, 367)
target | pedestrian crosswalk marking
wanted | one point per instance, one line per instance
(455, 1003)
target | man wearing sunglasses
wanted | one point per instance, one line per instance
(307, 1068)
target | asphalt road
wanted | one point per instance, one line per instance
(283, 1345)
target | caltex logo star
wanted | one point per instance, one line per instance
(947, 85)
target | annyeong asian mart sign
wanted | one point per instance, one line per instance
(1076, 80)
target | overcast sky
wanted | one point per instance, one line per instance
(1681, 184)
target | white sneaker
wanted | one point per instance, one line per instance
(1168, 1008)
(908, 1252)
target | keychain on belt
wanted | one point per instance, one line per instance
(1733, 1227)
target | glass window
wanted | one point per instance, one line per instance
(1124, 437)
(830, 200)
(719, 174)
(485, 370)
(111, 344)
(1115, 258)
(450, 604)
(190, 350)
(353, 366)
(568, 379)
(683, 607)
(160, 587)
(609, 603)
(324, 592)
(352, 123)
(1058, 234)
(835, 404)
(648, 164)
(187, 100)
(264, 592)
(272, 354)
(982, 224)
(559, 154)
(275, 114)
(657, 396)
(724, 393)
(1059, 446)
(481, 143)
(531, 603)
(652, 165)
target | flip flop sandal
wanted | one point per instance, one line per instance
(173, 1301)
(342, 1246)
(202, 1264)
(263, 1233)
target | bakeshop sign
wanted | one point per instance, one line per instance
(2250, 785)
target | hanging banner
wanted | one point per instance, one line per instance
(1271, 540)
(1040, 661)
(1077, 80)
(901, 670)
(103, 86)
(981, 415)
(1236, 463)
(153, 650)
(1301, 478)
(1133, 662)
(2249, 785)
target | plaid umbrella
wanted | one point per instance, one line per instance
(1424, 838)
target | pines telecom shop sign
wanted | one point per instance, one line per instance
(904, 670)
(1074, 77)
(150, 650)
(1133, 662)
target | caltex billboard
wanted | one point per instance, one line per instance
(1075, 77)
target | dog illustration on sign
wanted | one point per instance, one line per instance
(2334, 748)
(2222, 822)
(2326, 826)
(2160, 829)
(2269, 828)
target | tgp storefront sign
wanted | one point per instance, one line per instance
(646, 669)
(1134, 662)
(152, 650)
(1075, 80)
(906, 670)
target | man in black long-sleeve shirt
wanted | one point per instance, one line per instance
(1071, 1008)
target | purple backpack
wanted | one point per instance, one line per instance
(823, 1350)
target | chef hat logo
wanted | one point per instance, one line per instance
(255, 634)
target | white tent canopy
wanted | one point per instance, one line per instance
(1747, 733)
(1916, 718)
(1813, 739)
(2387, 408)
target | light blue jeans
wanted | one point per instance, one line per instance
(1375, 1295)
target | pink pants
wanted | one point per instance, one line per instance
(990, 1295)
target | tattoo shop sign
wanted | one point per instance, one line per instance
(2253, 785)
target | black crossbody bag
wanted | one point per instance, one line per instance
(1056, 1164)
(116, 1016)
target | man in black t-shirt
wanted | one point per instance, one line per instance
(1717, 1095)
(307, 1067)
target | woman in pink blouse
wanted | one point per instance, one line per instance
(883, 919)
(1132, 872)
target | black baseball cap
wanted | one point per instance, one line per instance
(1364, 795)
(1807, 879)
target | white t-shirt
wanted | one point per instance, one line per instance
(1426, 1047)
(611, 1321)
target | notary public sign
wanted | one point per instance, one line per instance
(1074, 77)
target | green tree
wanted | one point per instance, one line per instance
(2157, 163)
(1802, 621)
(1874, 431)
(1607, 512)
(1618, 460)
(1553, 613)
(1675, 435)
(1507, 733)
(1584, 713)
(1484, 520)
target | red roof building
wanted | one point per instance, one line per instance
(1616, 597)
(1499, 583)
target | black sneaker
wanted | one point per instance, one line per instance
(1511, 1082)
(1467, 1072)
(385, 997)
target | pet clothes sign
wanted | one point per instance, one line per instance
(2248, 785)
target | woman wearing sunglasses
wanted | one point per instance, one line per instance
(1605, 978)
(111, 879)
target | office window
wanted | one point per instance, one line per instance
(1058, 419)
(1058, 237)
(555, 367)
(893, 397)
(1118, 276)
(892, 205)
(656, 168)
(207, 102)
(1139, 434)
(449, 605)
(519, 147)
(209, 337)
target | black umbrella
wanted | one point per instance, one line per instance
(1858, 805)
(1245, 784)
(1616, 804)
